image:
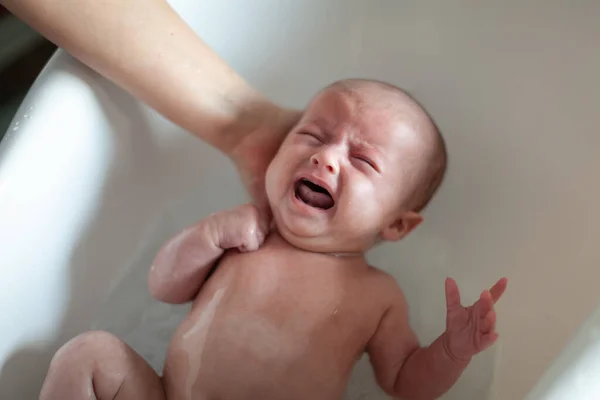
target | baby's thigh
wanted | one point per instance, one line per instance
(100, 363)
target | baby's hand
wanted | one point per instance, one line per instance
(470, 330)
(242, 228)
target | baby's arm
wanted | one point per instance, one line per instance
(408, 371)
(182, 264)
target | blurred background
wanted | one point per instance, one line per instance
(23, 54)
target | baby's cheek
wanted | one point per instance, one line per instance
(272, 182)
(278, 166)
(362, 208)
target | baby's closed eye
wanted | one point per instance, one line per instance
(310, 135)
(366, 161)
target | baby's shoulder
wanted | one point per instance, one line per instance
(380, 276)
(385, 284)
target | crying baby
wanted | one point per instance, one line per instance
(290, 307)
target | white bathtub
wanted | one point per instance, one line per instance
(92, 182)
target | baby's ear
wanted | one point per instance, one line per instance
(402, 226)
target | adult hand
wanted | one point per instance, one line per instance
(255, 150)
(218, 105)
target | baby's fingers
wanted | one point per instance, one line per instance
(452, 294)
(485, 304)
(498, 289)
(487, 340)
(488, 322)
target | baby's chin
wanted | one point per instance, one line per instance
(314, 244)
(309, 240)
(304, 237)
(317, 234)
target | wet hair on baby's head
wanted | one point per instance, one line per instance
(436, 156)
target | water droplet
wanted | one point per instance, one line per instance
(16, 123)
(16, 128)
(26, 116)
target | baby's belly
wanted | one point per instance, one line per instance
(240, 343)
(234, 356)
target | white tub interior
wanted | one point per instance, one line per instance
(92, 182)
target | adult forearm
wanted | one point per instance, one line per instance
(429, 372)
(147, 49)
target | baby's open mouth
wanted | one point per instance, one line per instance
(313, 195)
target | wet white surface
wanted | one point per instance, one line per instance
(92, 182)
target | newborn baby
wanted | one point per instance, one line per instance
(289, 309)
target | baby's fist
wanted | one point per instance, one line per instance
(242, 228)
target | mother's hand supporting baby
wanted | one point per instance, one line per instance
(147, 49)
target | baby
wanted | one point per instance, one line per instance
(290, 308)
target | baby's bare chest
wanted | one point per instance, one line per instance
(280, 311)
(287, 283)
(293, 294)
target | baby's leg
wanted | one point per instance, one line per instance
(97, 365)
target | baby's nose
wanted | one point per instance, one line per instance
(325, 160)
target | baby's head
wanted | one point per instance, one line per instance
(358, 168)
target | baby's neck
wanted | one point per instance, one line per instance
(349, 255)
